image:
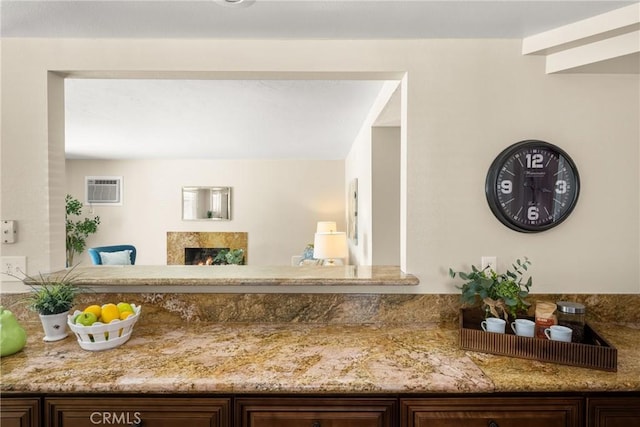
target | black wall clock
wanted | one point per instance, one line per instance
(532, 186)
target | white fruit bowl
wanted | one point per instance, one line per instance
(103, 336)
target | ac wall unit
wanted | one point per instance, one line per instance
(103, 190)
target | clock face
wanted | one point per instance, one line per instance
(532, 186)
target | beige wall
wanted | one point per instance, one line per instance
(385, 201)
(359, 165)
(276, 202)
(466, 101)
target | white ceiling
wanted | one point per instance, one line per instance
(334, 19)
(224, 119)
(252, 119)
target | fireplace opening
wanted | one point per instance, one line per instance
(205, 256)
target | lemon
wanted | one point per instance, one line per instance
(125, 314)
(109, 312)
(95, 309)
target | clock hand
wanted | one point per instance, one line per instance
(534, 190)
(529, 183)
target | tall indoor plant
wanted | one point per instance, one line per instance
(77, 229)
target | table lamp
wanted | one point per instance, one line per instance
(329, 246)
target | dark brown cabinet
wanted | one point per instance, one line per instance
(20, 412)
(522, 410)
(315, 412)
(613, 411)
(137, 411)
(492, 412)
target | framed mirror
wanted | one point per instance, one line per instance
(206, 203)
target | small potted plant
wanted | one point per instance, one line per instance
(499, 295)
(229, 257)
(235, 256)
(52, 297)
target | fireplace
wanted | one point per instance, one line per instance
(204, 256)
(179, 241)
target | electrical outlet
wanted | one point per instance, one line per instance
(489, 261)
(13, 266)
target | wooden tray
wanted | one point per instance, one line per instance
(594, 353)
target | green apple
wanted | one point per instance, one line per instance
(124, 306)
(86, 318)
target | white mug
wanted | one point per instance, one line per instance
(523, 327)
(558, 333)
(493, 324)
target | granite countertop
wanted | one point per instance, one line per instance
(234, 275)
(208, 357)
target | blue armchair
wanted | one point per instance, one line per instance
(94, 253)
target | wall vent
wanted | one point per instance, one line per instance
(103, 190)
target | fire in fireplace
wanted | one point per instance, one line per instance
(204, 256)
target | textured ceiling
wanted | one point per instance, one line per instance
(224, 119)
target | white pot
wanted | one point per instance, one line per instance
(55, 326)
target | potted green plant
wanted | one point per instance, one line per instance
(232, 256)
(52, 297)
(235, 256)
(77, 229)
(499, 295)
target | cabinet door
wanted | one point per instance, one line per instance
(315, 412)
(145, 412)
(19, 412)
(492, 412)
(613, 412)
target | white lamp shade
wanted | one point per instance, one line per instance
(330, 245)
(326, 227)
